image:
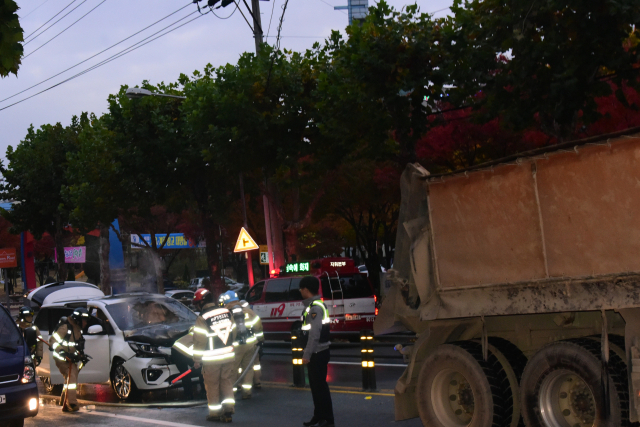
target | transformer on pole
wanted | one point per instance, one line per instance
(358, 10)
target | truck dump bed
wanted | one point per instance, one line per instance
(557, 229)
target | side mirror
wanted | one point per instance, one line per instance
(95, 330)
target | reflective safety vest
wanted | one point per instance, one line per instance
(31, 334)
(63, 341)
(306, 325)
(213, 336)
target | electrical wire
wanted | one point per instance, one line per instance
(284, 9)
(220, 17)
(22, 17)
(330, 5)
(43, 31)
(74, 23)
(93, 56)
(245, 18)
(36, 30)
(273, 6)
(106, 61)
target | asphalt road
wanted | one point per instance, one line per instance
(276, 404)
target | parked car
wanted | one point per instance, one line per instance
(129, 337)
(63, 291)
(364, 270)
(185, 296)
(346, 292)
(19, 397)
(229, 283)
(196, 283)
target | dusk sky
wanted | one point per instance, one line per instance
(207, 39)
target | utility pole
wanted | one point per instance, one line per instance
(247, 254)
(257, 24)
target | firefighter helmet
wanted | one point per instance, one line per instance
(79, 314)
(227, 297)
(199, 295)
(25, 311)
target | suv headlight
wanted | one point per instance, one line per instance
(146, 350)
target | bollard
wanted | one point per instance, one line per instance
(296, 358)
(368, 364)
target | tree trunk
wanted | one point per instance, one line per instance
(62, 266)
(105, 271)
(213, 257)
(292, 244)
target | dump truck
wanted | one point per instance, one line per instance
(521, 280)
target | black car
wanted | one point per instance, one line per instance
(19, 397)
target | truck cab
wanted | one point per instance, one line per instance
(346, 292)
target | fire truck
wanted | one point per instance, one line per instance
(346, 292)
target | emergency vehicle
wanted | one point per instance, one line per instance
(346, 292)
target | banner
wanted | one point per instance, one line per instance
(74, 255)
(174, 241)
(8, 258)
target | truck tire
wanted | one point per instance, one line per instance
(561, 386)
(456, 387)
(512, 362)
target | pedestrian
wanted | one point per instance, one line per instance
(214, 334)
(248, 336)
(31, 334)
(67, 347)
(315, 341)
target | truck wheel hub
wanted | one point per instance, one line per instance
(566, 401)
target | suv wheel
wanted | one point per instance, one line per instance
(122, 382)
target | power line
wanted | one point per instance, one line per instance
(273, 6)
(22, 17)
(49, 19)
(330, 5)
(245, 18)
(284, 9)
(102, 51)
(112, 58)
(220, 17)
(64, 16)
(74, 23)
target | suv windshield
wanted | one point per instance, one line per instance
(10, 336)
(138, 313)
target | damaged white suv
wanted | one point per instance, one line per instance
(129, 339)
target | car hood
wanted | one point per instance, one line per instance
(12, 361)
(160, 335)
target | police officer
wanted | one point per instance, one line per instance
(67, 347)
(31, 333)
(214, 334)
(315, 340)
(248, 335)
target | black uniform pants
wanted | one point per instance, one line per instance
(317, 371)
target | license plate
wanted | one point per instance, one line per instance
(352, 317)
(3, 399)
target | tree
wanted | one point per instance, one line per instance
(35, 178)
(541, 64)
(11, 37)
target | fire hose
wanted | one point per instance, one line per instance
(244, 372)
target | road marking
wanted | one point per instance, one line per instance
(386, 365)
(137, 419)
(334, 390)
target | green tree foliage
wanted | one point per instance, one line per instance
(542, 63)
(11, 36)
(35, 178)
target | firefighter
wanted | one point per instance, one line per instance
(67, 347)
(214, 334)
(315, 341)
(182, 351)
(31, 334)
(248, 335)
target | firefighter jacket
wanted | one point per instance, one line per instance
(213, 336)
(184, 345)
(67, 341)
(315, 327)
(31, 334)
(248, 324)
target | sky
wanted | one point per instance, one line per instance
(207, 39)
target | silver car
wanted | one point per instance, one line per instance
(129, 339)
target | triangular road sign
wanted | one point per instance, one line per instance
(245, 242)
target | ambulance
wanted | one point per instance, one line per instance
(346, 292)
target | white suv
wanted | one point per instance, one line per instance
(129, 339)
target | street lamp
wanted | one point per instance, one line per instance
(137, 93)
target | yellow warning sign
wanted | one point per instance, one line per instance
(245, 242)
